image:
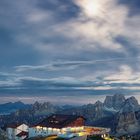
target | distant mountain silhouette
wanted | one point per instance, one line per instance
(10, 107)
(116, 112)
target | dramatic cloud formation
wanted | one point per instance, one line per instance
(83, 46)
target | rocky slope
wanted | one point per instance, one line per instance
(120, 114)
(128, 120)
(116, 102)
(31, 115)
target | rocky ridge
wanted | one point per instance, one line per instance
(120, 114)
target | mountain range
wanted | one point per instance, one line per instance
(10, 107)
(116, 112)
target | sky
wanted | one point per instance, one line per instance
(69, 51)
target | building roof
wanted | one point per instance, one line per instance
(14, 125)
(23, 133)
(59, 120)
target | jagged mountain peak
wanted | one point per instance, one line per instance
(115, 101)
(98, 103)
(132, 100)
(45, 105)
(116, 112)
(128, 121)
(41, 104)
(131, 105)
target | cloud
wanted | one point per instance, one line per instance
(95, 24)
(125, 75)
(58, 30)
(89, 45)
(124, 79)
(50, 67)
(92, 32)
(103, 26)
(72, 65)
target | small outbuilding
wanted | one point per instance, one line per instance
(17, 131)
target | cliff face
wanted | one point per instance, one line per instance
(118, 113)
(31, 115)
(116, 102)
(128, 122)
(122, 115)
(43, 108)
(99, 109)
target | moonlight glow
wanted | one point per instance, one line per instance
(91, 7)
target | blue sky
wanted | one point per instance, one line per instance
(69, 51)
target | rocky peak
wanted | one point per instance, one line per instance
(130, 105)
(133, 101)
(43, 108)
(127, 120)
(115, 101)
(98, 109)
(98, 104)
(36, 105)
(127, 123)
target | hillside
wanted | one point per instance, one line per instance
(116, 112)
